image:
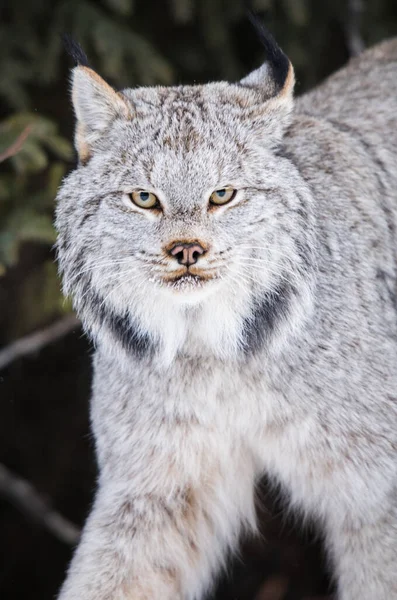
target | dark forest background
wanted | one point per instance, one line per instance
(47, 466)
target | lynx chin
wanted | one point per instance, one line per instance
(232, 254)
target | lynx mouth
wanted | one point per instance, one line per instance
(188, 279)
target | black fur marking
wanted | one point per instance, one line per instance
(122, 327)
(86, 217)
(74, 50)
(283, 153)
(389, 282)
(268, 312)
(278, 61)
(304, 252)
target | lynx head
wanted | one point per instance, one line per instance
(183, 230)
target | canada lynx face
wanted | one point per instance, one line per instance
(166, 170)
(234, 259)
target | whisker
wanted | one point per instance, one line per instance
(123, 282)
(256, 263)
(236, 280)
(244, 277)
(158, 261)
(99, 265)
(275, 277)
(269, 251)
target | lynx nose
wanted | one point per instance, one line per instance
(187, 254)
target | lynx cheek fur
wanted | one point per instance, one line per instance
(232, 339)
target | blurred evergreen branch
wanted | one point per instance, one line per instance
(27, 140)
(28, 56)
(15, 146)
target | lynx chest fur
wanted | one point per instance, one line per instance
(232, 254)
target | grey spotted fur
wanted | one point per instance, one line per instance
(284, 362)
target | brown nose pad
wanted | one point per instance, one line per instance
(187, 254)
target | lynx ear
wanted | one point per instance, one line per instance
(96, 105)
(273, 83)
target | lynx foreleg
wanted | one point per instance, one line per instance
(163, 533)
(365, 558)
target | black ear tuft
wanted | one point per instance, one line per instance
(278, 61)
(74, 50)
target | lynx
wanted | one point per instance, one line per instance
(232, 254)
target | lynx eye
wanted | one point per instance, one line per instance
(144, 199)
(222, 196)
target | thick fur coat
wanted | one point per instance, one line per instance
(276, 351)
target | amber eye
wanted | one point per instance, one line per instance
(144, 199)
(222, 196)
